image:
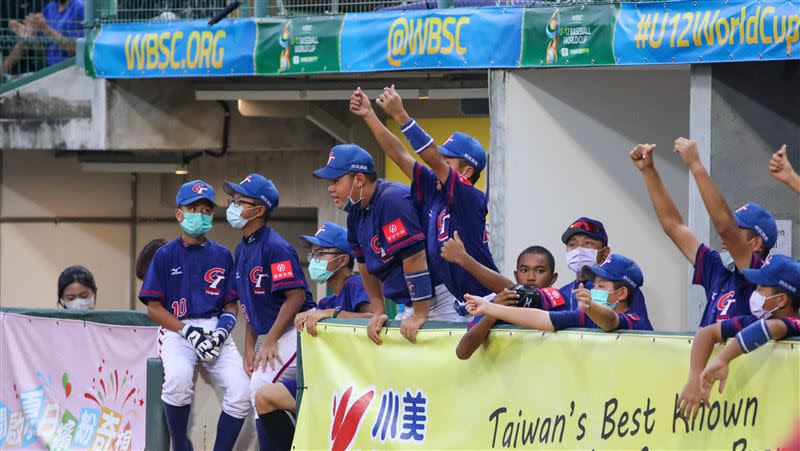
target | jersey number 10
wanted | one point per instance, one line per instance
(179, 308)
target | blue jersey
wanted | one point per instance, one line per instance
(384, 233)
(727, 293)
(68, 23)
(349, 298)
(454, 205)
(266, 266)
(576, 318)
(731, 327)
(190, 281)
(637, 305)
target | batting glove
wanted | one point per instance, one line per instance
(198, 338)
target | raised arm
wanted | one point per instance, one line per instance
(390, 144)
(718, 209)
(420, 141)
(453, 251)
(668, 214)
(781, 169)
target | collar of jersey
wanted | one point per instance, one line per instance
(255, 236)
(189, 246)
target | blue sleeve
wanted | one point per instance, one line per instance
(231, 295)
(792, 326)
(632, 321)
(423, 184)
(731, 327)
(400, 226)
(284, 268)
(355, 296)
(707, 264)
(153, 287)
(352, 240)
(568, 319)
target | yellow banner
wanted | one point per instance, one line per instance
(528, 389)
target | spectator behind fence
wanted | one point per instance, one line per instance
(146, 256)
(76, 289)
(60, 23)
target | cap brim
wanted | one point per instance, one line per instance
(590, 272)
(313, 240)
(448, 153)
(740, 222)
(570, 233)
(232, 188)
(328, 173)
(194, 199)
(758, 277)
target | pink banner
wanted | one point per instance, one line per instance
(67, 384)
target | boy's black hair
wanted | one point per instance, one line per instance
(794, 298)
(146, 256)
(540, 250)
(619, 284)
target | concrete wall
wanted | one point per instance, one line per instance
(563, 137)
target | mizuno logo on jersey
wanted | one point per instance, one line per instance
(257, 279)
(176, 271)
(214, 277)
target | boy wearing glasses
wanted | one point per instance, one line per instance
(330, 261)
(188, 290)
(271, 286)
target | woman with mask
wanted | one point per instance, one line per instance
(76, 289)
(330, 261)
(775, 307)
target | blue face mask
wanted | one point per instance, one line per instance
(196, 224)
(234, 216)
(601, 297)
(318, 270)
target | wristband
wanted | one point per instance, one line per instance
(416, 136)
(226, 321)
(419, 285)
(336, 312)
(754, 336)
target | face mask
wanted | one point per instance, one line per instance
(79, 304)
(350, 204)
(580, 257)
(601, 297)
(234, 216)
(196, 224)
(757, 301)
(318, 270)
(728, 261)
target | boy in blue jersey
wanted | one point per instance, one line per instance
(606, 307)
(443, 190)
(386, 236)
(535, 269)
(747, 234)
(271, 287)
(188, 290)
(330, 261)
(775, 307)
(587, 244)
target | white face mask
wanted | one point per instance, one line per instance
(79, 303)
(757, 301)
(580, 257)
(728, 261)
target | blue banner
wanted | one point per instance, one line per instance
(457, 38)
(176, 49)
(706, 31)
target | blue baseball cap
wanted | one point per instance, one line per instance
(461, 145)
(191, 192)
(778, 271)
(756, 218)
(344, 159)
(256, 186)
(586, 226)
(331, 234)
(617, 268)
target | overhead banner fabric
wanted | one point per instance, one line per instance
(297, 46)
(535, 390)
(70, 384)
(173, 49)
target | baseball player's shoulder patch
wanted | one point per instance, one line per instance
(282, 270)
(554, 296)
(394, 231)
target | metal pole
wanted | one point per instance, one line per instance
(261, 8)
(89, 13)
(133, 221)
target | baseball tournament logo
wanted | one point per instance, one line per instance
(284, 41)
(214, 277)
(256, 278)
